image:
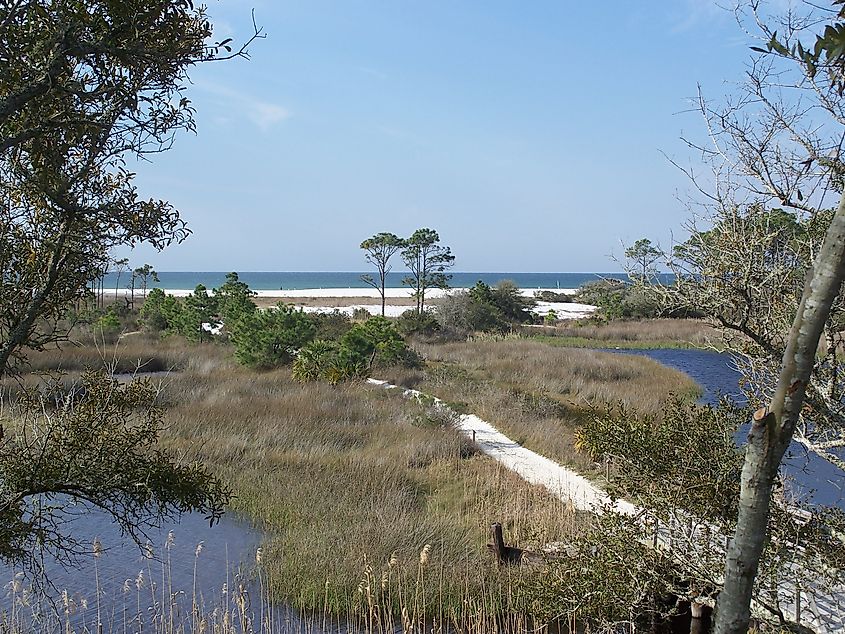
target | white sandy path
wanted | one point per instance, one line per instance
(822, 611)
(564, 483)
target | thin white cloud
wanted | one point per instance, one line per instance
(694, 13)
(264, 114)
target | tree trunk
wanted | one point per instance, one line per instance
(772, 429)
(20, 333)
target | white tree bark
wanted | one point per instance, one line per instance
(773, 428)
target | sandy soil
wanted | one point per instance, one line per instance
(399, 300)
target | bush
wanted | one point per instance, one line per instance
(617, 299)
(234, 300)
(512, 304)
(413, 322)
(196, 310)
(330, 326)
(485, 309)
(108, 325)
(160, 312)
(270, 338)
(314, 360)
(376, 342)
(360, 314)
(379, 343)
(551, 296)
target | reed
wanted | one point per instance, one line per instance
(539, 394)
(630, 333)
(376, 510)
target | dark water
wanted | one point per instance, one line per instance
(270, 280)
(183, 562)
(811, 478)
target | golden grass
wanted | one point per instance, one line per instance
(345, 478)
(664, 333)
(135, 351)
(538, 394)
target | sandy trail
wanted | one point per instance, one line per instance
(566, 484)
(821, 610)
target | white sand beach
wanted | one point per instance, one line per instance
(370, 299)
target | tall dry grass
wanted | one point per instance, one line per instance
(375, 509)
(538, 394)
(136, 351)
(631, 333)
(347, 479)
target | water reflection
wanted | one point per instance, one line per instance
(185, 564)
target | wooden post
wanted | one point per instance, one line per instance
(498, 543)
(473, 435)
(797, 604)
(698, 612)
(504, 554)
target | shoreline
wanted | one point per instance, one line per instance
(351, 292)
(348, 300)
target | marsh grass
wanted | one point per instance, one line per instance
(133, 352)
(630, 333)
(376, 510)
(345, 479)
(539, 394)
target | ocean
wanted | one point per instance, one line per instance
(293, 280)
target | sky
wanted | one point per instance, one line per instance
(533, 136)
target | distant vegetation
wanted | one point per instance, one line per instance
(422, 254)
(484, 309)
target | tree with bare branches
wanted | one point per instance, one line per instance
(769, 263)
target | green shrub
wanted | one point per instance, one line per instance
(109, 323)
(330, 326)
(314, 360)
(413, 322)
(234, 300)
(376, 342)
(512, 304)
(617, 299)
(551, 296)
(485, 309)
(160, 312)
(196, 309)
(270, 338)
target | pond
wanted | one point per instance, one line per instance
(811, 479)
(184, 563)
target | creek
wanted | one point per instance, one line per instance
(810, 478)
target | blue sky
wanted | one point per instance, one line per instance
(528, 134)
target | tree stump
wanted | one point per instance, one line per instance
(504, 554)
